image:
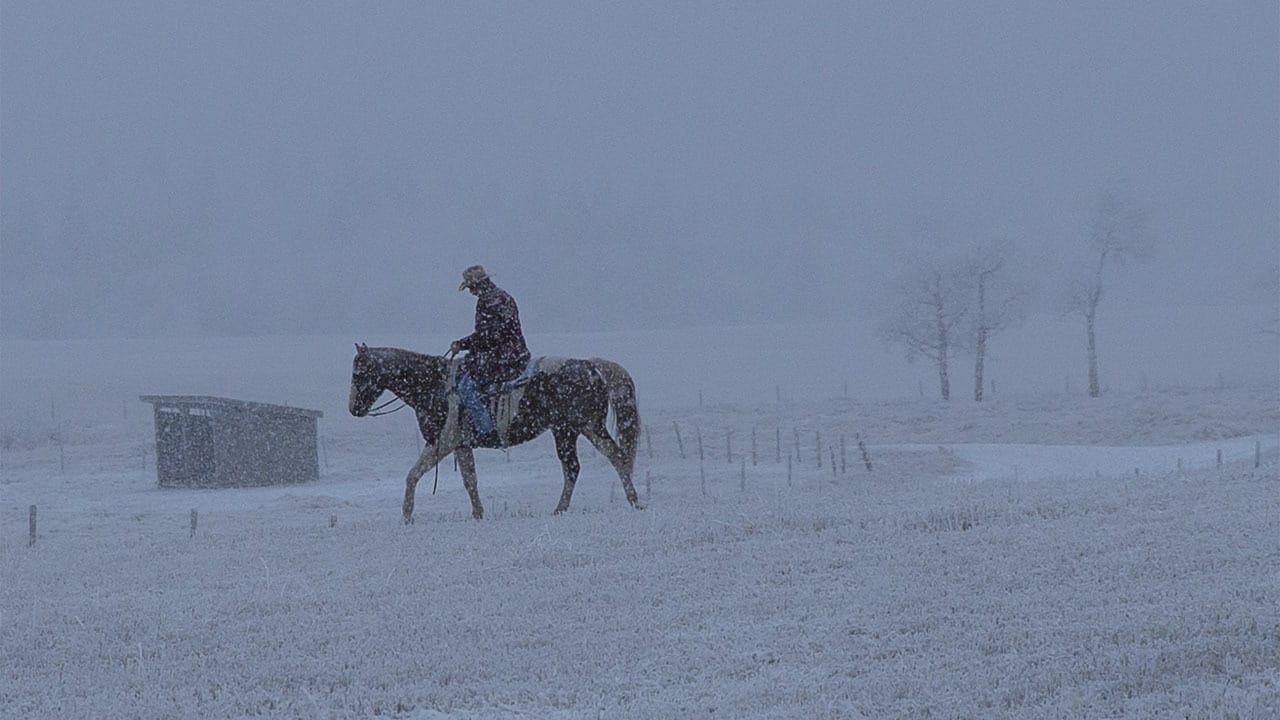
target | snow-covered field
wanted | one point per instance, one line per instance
(1039, 555)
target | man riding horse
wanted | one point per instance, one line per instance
(496, 351)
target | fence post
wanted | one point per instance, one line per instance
(701, 456)
(753, 447)
(798, 458)
(31, 538)
(778, 433)
(818, 451)
(679, 440)
(866, 457)
(788, 471)
(728, 446)
(833, 463)
(742, 483)
(194, 517)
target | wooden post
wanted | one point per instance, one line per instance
(788, 471)
(866, 457)
(753, 447)
(833, 463)
(31, 527)
(702, 476)
(797, 432)
(818, 444)
(778, 436)
(701, 456)
(194, 518)
(679, 440)
(728, 446)
(742, 482)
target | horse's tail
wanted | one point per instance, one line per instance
(622, 399)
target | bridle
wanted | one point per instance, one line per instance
(379, 411)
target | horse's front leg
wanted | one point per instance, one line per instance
(467, 464)
(567, 451)
(430, 457)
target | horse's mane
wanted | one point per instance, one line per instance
(400, 355)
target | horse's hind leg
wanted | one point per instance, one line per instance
(430, 457)
(567, 451)
(611, 450)
(467, 464)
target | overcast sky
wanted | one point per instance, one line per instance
(246, 167)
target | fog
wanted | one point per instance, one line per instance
(280, 168)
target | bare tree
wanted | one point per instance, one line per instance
(998, 303)
(1118, 232)
(925, 319)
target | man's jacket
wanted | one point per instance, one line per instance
(496, 351)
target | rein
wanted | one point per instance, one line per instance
(374, 412)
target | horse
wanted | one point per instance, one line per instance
(572, 399)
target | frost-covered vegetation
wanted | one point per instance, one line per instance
(1033, 557)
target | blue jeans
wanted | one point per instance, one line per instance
(469, 393)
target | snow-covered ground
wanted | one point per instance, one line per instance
(1038, 555)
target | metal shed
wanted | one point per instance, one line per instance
(217, 442)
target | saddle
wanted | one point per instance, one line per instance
(502, 399)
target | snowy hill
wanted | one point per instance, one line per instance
(1034, 556)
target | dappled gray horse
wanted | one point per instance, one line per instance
(572, 399)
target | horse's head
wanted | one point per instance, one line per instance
(366, 385)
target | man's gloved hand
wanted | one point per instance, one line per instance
(454, 349)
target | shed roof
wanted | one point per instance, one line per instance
(208, 402)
